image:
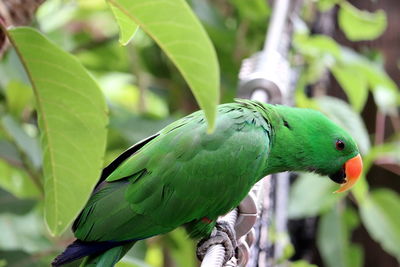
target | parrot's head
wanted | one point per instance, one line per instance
(306, 140)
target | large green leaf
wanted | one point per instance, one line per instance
(354, 84)
(380, 213)
(311, 194)
(72, 120)
(360, 25)
(333, 239)
(180, 35)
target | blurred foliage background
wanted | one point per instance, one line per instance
(347, 59)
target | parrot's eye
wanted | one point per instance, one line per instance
(340, 145)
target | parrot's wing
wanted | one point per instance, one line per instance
(124, 155)
(183, 174)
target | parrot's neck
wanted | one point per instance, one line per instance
(289, 149)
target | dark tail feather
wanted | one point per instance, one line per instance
(108, 258)
(79, 249)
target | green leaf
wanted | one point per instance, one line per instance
(184, 41)
(181, 247)
(360, 25)
(72, 119)
(16, 181)
(255, 10)
(333, 239)
(310, 194)
(383, 87)
(29, 145)
(25, 232)
(19, 96)
(18, 258)
(301, 263)
(11, 204)
(380, 213)
(317, 45)
(127, 28)
(325, 5)
(354, 85)
(342, 114)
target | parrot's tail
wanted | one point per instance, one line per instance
(79, 249)
(107, 259)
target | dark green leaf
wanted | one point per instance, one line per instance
(19, 258)
(11, 204)
(380, 213)
(310, 194)
(29, 145)
(333, 239)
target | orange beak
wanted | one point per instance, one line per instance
(353, 169)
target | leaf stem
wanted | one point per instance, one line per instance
(379, 128)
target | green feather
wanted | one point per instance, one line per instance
(183, 174)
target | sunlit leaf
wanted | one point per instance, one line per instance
(354, 85)
(118, 88)
(19, 96)
(360, 25)
(317, 45)
(341, 113)
(385, 90)
(127, 27)
(185, 42)
(72, 121)
(301, 263)
(380, 214)
(325, 5)
(310, 194)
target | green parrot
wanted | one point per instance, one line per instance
(184, 176)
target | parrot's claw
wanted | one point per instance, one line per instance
(222, 234)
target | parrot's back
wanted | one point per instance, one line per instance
(179, 176)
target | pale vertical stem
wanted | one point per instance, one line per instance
(379, 128)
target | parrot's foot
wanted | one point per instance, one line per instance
(222, 234)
